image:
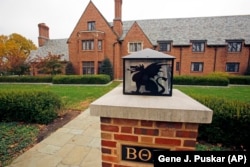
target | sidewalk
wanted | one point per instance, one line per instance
(76, 144)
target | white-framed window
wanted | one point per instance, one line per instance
(197, 66)
(134, 46)
(232, 67)
(164, 46)
(88, 67)
(198, 46)
(88, 45)
(99, 45)
(91, 25)
(234, 46)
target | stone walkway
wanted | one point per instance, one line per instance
(76, 144)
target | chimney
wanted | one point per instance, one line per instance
(118, 18)
(43, 34)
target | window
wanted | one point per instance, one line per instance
(99, 45)
(198, 46)
(164, 46)
(91, 26)
(196, 67)
(88, 45)
(232, 67)
(88, 67)
(135, 46)
(234, 46)
(177, 68)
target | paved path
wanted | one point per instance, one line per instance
(76, 144)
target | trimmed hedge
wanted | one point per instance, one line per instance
(29, 106)
(241, 80)
(230, 124)
(201, 80)
(27, 79)
(81, 79)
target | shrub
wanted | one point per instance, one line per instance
(201, 80)
(230, 124)
(106, 68)
(241, 80)
(81, 79)
(29, 106)
(30, 79)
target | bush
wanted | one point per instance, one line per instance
(241, 80)
(201, 80)
(81, 79)
(27, 79)
(29, 106)
(106, 68)
(230, 125)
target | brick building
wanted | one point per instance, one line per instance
(201, 45)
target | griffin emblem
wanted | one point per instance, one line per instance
(149, 77)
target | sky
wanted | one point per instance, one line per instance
(23, 16)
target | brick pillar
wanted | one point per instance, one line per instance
(165, 123)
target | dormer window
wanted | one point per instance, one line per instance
(164, 46)
(234, 46)
(198, 46)
(91, 25)
(135, 46)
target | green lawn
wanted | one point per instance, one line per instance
(240, 93)
(76, 97)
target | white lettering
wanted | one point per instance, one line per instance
(162, 158)
(211, 158)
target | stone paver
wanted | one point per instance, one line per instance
(76, 144)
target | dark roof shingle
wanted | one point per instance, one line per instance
(53, 46)
(215, 30)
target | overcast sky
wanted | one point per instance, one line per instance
(23, 16)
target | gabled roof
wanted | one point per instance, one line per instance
(215, 30)
(53, 46)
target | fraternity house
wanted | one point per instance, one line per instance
(201, 45)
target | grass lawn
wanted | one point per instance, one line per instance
(239, 93)
(75, 97)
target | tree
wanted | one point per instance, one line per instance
(14, 50)
(106, 68)
(69, 70)
(50, 64)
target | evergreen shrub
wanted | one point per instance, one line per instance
(81, 79)
(230, 123)
(29, 106)
(201, 80)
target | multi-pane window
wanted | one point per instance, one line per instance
(88, 45)
(88, 67)
(99, 45)
(164, 46)
(232, 67)
(197, 66)
(91, 26)
(135, 46)
(198, 46)
(234, 46)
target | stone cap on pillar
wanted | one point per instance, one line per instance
(177, 108)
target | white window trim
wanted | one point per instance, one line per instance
(134, 43)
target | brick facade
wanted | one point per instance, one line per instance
(168, 135)
(115, 41)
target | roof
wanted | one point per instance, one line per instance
(148, 54)
(214, 30)
(53, 46)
